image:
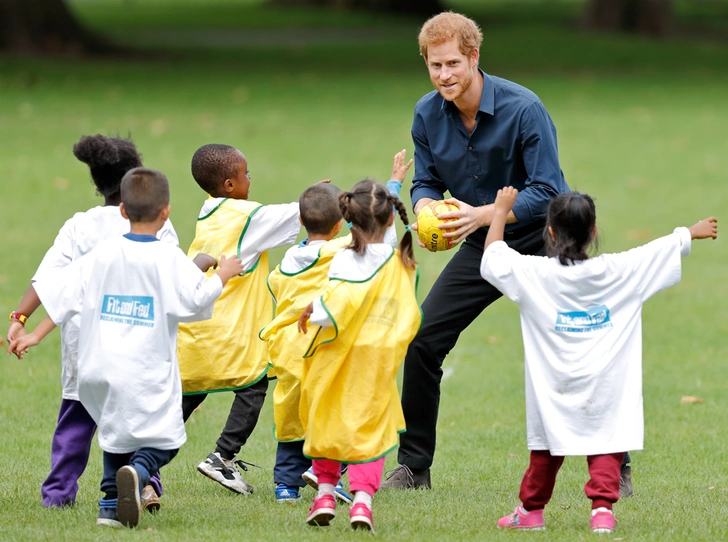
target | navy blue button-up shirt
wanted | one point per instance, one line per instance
(513, 144)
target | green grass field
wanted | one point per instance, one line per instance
(643, 127)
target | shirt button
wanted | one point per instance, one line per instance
(475, 176)
(470, 148)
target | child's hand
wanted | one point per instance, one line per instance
(229, 267)
(505, 199)
(21, 345)
(704, 229)
(303, 320)
(15, 331)
(205, 262)
(399, 169)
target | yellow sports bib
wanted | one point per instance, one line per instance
(224, 353)
(292, 292)
(350, 406)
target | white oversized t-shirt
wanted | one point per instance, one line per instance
(79, 235)
(582, 337)
(131, 292)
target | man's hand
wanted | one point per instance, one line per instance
(707, 228)
(467, 220)
(399, 169)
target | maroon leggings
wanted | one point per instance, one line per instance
(538, 481)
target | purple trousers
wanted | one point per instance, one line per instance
(69, 456)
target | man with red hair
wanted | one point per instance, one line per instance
(474, 134)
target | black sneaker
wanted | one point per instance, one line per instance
(625, 482)
(223, 471)
(403, 478)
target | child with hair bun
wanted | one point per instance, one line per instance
(350, 408)
(582, 337)
(108, 159)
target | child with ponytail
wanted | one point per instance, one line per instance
(350, 408)
(582, 337)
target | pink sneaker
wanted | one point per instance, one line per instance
(322, 511)
(360, 517)
(520, 519)
(603, 521)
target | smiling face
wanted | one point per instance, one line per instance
(451, 72)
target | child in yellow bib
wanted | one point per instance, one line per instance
(350, 407)
(224, 353)
(302, 276)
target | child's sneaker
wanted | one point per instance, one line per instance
(129, 503)
(312, 480)
(603, 521)
(223, 471)
(108, 518)
(322, 511)
(286, 493)
(150, 500)
(360, 517)
(520, 519)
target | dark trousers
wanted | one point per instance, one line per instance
(458, 296)
(290, 464)
(242, 419)
(538, 481)
(70, 450)
(144, 461)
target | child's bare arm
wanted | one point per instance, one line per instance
(205, 262)
(707, 228)
(303, 320)
(21, 345)
(229, 267)
(27, 306)
(503, 205)
(400, 168)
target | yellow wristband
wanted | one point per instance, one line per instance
(19, 317)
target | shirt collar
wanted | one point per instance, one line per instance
(487, 98)
(140, 238)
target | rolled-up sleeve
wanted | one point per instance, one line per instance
(541, 159)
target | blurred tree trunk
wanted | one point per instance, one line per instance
(417, 7)
(45, 27)
(651, 17)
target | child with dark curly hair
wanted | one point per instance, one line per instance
(108, 159)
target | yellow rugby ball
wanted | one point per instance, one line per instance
(428, 225)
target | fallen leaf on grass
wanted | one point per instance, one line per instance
(690, 400)
(711, 488)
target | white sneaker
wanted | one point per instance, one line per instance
(223, 471)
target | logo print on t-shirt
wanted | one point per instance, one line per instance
(583, 321)
(135, 310)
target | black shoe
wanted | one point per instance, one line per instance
(403, 478)
(625, 482)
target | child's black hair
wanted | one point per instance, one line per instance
(320, 210)
(368, 208)
(572, 217)
(214, 163)
(144, 193)
(108, 158)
